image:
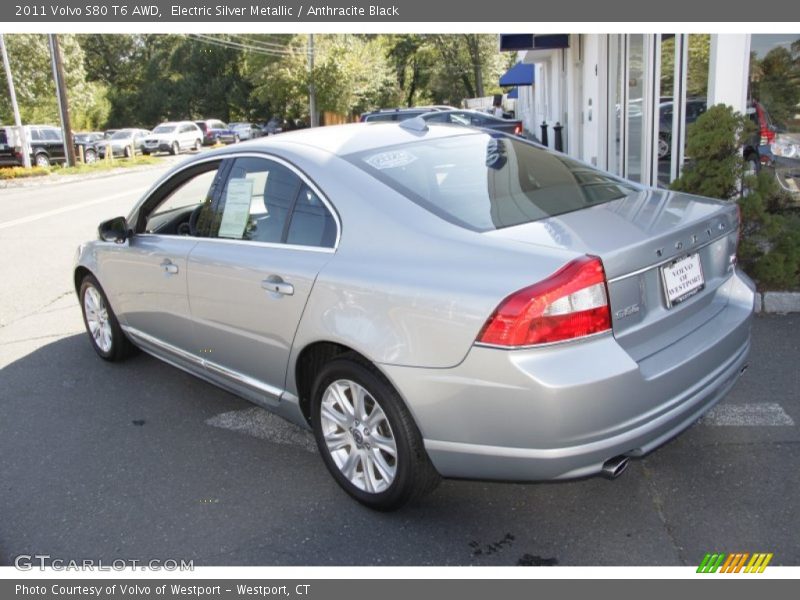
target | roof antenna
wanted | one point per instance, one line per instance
(417, 124)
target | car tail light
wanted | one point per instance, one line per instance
(571, 303)
(518, 129)
(765, 131)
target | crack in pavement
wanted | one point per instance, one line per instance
(36, 311)
(658, 504)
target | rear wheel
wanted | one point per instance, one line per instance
(197, 145)
(42, 160)
(127, 152)
(367, 437)
(105, 334)
(175, 148)
(90, 157)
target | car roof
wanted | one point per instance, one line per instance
(342, 140)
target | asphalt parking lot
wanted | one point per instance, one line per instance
(141, 461)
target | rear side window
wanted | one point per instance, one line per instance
(484, 182)
(265, 201)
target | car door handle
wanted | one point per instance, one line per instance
(277, 285)
(169, 267)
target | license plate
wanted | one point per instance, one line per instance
(682, 279)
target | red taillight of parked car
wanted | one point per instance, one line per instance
(766, 133)
(571, 303)
(518, 129)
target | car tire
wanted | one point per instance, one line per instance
(197, 145)
(105, 333)
(90, 157)
(42, 160)
(175, 148)
(372, 447)
(236, 139)
(145, 153)
(127, 152)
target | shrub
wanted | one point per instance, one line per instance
(769, 248)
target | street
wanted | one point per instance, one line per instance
(139, 460)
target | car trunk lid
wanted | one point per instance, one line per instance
(652, 244)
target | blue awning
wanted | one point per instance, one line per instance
(513, 94)
(519, 74)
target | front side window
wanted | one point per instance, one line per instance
(489, 181)
(186, 208)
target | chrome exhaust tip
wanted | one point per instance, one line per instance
(614, 467)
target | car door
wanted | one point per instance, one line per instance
(146, 276)
(54, 144)
(250, 279)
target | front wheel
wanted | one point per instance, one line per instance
(367, 437)
(90, 157)
(175, 148)
(105, 334)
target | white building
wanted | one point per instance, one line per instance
(613, 94)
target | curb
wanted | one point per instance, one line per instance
(777, 302)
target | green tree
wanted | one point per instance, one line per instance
(29, 55)
(775, 82)
(713, 144)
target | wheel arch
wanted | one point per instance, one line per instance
(313, 357)
(78, 276)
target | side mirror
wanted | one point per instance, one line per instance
(114, 230)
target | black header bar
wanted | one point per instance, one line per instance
(396, 11)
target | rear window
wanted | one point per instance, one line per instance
(485, 182)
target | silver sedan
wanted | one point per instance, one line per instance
(431, 300)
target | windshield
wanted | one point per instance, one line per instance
(164, 129)
(484, 182)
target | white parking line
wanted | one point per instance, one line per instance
(71, 207)
(263, 424)
(764, 414)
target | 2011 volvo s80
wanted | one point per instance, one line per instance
(431, 300)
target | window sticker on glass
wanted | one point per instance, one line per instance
(391, 160)
(237, 209)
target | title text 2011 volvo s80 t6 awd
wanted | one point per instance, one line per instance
(431, 300)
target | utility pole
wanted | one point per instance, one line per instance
(23, 137)
(61, 92)
(312, 93)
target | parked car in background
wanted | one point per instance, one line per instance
(124, 142)
(274, 126)
(399, 114)
(88, 137)
(211, 129)
(8, 157)
(474, 118)
(174, 137)
(46, 143)
(237, 132)
(522, 315)
(694, 108)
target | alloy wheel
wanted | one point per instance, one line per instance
(97, 318)
(358, 436)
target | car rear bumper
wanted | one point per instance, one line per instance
(560, 412)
